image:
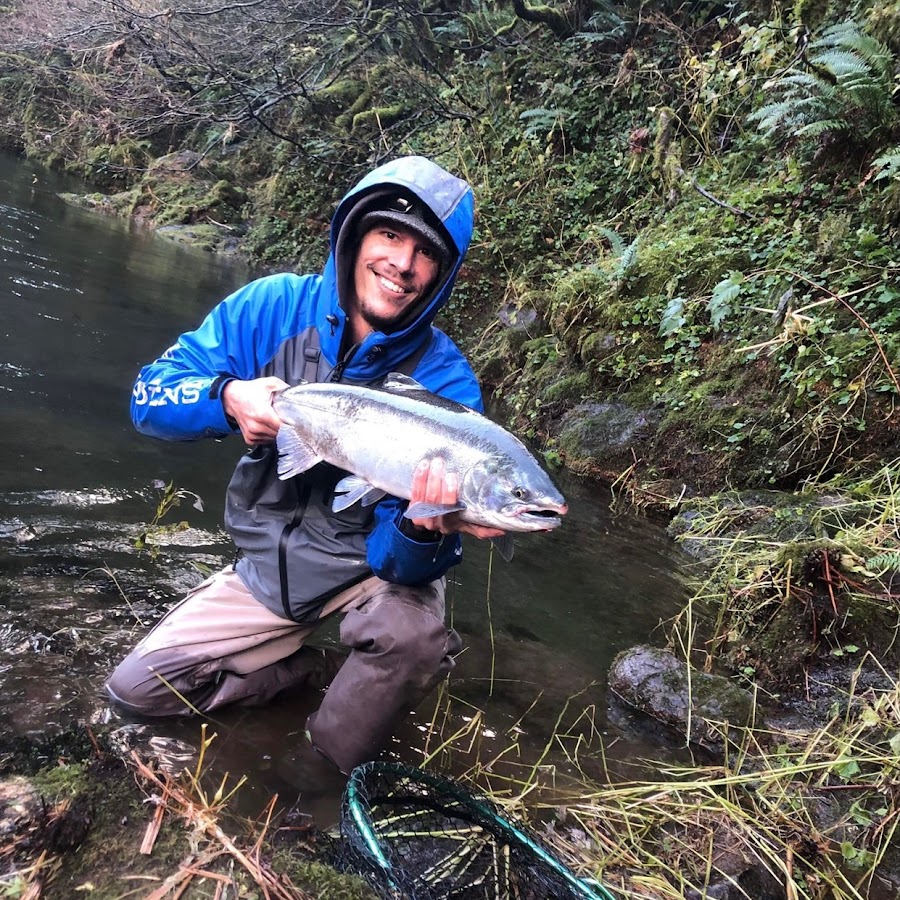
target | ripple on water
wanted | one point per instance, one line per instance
(7, 368)
(76, 499)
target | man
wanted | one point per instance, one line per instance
(397, 242)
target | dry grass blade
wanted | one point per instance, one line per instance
(202, 817)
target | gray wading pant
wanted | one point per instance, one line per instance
(221, 646)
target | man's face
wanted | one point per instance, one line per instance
(394, 268)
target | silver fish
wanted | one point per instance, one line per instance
(381, 434)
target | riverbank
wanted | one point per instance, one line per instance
(93, 812)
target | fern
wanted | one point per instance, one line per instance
(814, 129)
(541, 121)
(616, 243)
(845, 91)
(888, 165)
(627, 259)
(889, 561)
(723, 296)
(847, 36)
(841, 63)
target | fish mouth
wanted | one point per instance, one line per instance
(542, 519)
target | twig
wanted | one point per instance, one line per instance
(154, 824)
(843, 301)
(713, 199)
(273, 886)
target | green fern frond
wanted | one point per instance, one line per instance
(841, 63)
(888, 165)
(838, 32)
(814, 129)
(616, 243)
(811, 86)
(774, 113)
(787, 114)
(848, 36)
(799, 81)
(889, 561)
(848, 91)
(627, 259)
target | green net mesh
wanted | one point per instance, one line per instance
(413, 834)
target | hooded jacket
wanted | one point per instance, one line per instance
(294, 551)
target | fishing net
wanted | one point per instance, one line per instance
(415, 835)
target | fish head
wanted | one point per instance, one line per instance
(512, 496)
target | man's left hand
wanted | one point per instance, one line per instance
(432, 483)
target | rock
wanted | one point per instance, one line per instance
(20, 807)
(603, 434)
(658, 684)
(177, 166)
(30, 822)
(208, 237)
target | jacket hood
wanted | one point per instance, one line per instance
(451, 203)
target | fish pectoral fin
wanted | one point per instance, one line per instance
(505, 546)
(430, 510)
(353, 489)
(294, 454)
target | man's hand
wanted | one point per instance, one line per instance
(249, 403)
(433, 484)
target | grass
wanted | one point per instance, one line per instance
(809, 813)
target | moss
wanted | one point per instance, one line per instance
(319, 879)
(61, 781)
(572, 387)
(345, 120)
(379, 117)
(884, 22)
(180, 200)
(339, 96)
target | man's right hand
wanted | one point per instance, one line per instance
(249, 403)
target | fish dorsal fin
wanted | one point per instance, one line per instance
(397, 381)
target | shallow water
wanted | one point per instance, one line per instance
(87, 300)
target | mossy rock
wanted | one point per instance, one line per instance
(603, 433)
(701, 706)
(211, 238)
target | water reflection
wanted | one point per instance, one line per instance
(87, 300)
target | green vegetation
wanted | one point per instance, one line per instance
(685, 279)
(795, 579)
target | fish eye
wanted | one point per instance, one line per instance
(519, 493)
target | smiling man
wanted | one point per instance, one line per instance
(397, 241)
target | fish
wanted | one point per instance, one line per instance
(379, 434)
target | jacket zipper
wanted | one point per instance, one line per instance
(286, 533)
(337, 373)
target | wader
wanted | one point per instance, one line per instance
(220, 646)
